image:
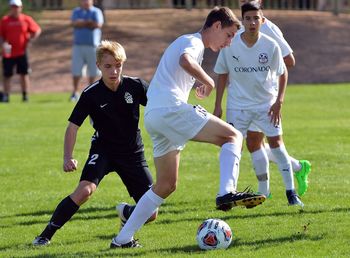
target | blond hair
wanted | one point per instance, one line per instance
(112, 48)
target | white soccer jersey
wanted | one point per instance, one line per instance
(171, 84)
(272, 30)
(253, 72)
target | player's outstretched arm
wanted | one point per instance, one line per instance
(69, 163)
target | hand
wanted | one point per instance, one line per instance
(202, 91)
(275, 113)
(70, 165)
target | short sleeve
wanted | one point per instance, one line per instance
(278, 61)
(99, 16)
(221, 65)
(80, 111)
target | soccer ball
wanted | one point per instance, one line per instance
(214, 234)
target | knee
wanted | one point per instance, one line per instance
(82, 194)
(235, 137)
(86, 192)
(254, 141)
(165, 189)
(253, 146)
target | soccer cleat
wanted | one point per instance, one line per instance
(302, 176)
(132, 244)
(246, 198)
(120, 210)
(293, 198)
(41, 241)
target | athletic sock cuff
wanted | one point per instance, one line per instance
(259, 154)
(233, 148)
(157, 200)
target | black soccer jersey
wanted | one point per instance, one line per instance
(114, 115)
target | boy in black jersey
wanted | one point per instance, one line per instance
(113, 106)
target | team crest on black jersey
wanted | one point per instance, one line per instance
(128, 98)
(263, 58)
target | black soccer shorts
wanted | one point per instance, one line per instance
(132, 169)
(20, 62)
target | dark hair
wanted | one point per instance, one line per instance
(224, 15)
(250, 6)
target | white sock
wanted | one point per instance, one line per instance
(295, 163)
(269, 153)
(144, 209)
(284, 165)
(261, 168)
(236, 177)
(230, 155)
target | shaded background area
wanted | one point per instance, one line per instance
(320, 41)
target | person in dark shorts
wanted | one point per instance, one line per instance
(113, 104)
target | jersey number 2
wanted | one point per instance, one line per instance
(93, 158)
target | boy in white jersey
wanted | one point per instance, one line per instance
(260, 151)
(171, 122)
(257, 84)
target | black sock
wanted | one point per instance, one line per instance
(64, 211)
(24, 95)
(128, 210)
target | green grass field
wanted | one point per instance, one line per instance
(316, 127)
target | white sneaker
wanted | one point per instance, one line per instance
(40, 241)
(132, 244)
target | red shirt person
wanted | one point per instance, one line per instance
(16, 31)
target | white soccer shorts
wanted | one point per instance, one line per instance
(258, 119)
(171, 127)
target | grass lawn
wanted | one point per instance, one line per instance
(316, 127)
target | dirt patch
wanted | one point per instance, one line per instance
(320, 42)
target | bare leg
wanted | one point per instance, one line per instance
(83, 192)
(25, 84)
(7, 83)
(76, 80)
(75, 93)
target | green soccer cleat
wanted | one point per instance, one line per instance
(302, 176)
